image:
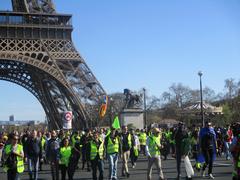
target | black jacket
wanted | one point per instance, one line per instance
(33, 147)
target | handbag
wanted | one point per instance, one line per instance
(188, 166)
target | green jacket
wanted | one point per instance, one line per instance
(186, 146)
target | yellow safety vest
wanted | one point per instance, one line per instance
(154, 142)
(43, 141)
(130, 140)
(143, 138)
(65, 153)
(112, 148)
(20, 162)
(94, 150)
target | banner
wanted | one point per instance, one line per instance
(67, 120)
(103, 108)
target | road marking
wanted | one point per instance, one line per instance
(222, 164)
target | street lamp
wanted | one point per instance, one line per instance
(145, 108)
(200, 73)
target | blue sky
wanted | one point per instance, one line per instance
(145, 43)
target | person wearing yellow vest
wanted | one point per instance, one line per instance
(135, 148)
(153, 147)
(42, 155)
(113, 151)
(13, 159)
(142, 140)
(95, 153)
(65, 153)
(126, 145)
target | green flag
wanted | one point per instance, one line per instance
(116, 123)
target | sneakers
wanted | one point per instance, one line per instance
(211, 176)
(203, 174)
(134, 165)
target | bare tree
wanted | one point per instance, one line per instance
(153, 103)
(209, 94)
(231, 87)
(181, 93)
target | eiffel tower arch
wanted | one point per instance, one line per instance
(37, 53)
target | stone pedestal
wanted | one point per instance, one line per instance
(133, 117)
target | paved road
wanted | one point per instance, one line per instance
(222, 171)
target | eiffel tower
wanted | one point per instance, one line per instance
(37, 53)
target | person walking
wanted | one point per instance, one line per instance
(33, 151)
(113, 151)
(142, 140)
(180, 134)
(227, 142)
(13, 156)
(134, 153)
(84, 141)
(186, 149)
(42, 155)
(208, 147)
(95, 154)
(65, 153)
(153, 147)
(74, 158)
(52, 155)
(126, 145)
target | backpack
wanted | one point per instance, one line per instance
(208, 141)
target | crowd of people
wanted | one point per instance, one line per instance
(62, 150)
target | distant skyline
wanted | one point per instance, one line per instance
(141, 43)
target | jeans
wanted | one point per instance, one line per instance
(97, 164)
(33, 163)
(227, 146)
(113, 160)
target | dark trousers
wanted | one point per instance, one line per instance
(208, 156)
(97, 164)
(84, 159)
(64, 170)
(54, 170)
(12, 174)
(142, 149)
(40, 162)
(179, 160)
(73, 162)
(133, 157)
(173, 149)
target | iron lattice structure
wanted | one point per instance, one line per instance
(37, 53)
